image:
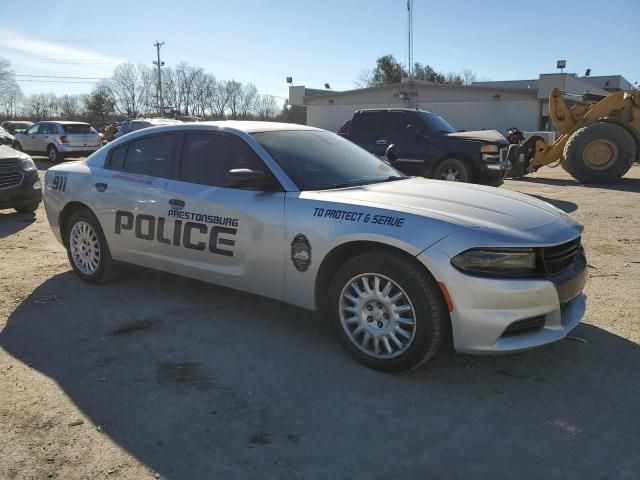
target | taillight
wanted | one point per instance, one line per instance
(63, 139)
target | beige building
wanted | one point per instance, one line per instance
(482, 105)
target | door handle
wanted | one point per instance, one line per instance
(101, 187)
(381, 142)
(176, 202)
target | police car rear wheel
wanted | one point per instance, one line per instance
(388, 311)
(87, 248)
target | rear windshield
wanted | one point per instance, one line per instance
(81, 128)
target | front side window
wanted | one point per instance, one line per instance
(395, 125)
(32, 130)
(317, 160)
(149, 156)
(207, 158)
(43, 128)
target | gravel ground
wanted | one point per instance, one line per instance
(155, 376)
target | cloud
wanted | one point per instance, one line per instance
(33, 50)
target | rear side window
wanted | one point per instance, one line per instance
(367, 124)
(207, 158)
(148, 156)
(76, 129)
(116, 160)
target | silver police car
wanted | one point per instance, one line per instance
(397, 264)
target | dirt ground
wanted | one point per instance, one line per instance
(155, 376)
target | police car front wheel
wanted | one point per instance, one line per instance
(389, 311)
(87, 248)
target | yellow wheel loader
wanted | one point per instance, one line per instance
(599, 138)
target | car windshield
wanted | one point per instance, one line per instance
(435, 123)
(317, 160)
(78, 128)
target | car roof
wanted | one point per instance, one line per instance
(64, 122)
(250, 126)
(244, 126)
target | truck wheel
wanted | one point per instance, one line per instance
(389, 312)
(453, 170)
(599, 153)
(32, 207)
(54, 155)
(87, 248)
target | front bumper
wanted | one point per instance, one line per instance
(22, 194)
(484, 309)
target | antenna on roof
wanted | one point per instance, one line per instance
(409, 38)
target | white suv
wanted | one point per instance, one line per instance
(58, 140)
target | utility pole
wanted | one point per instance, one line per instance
(160, 65)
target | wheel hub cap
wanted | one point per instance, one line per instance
(377, 315)
(450, 174)
(600, 154)
(85, 248)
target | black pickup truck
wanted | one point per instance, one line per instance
(426, 145)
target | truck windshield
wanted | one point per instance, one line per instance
(317, 160)
(435, 123)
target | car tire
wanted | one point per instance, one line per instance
(453, 170)
(54, 155)
(87, 248)
(32, 207)
(599, 153)
(413, 302)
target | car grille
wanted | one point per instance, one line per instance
(8, 164)
(560, 258)
(11, 179)
(524, 326)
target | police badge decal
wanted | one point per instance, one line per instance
(301, 252)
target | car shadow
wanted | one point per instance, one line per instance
(623, 185)
(564, 205)
(12, 222)
(197, 381)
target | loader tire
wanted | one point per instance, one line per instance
(599, 153)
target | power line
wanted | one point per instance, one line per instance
(19, 80)
(60, 76)
(63, 61)
(246, 65)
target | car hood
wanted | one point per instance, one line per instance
(7, 153)
(489, 136)
(459, 203)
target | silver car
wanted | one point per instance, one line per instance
(58, 140)
(304, 216)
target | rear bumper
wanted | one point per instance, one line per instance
(68, 151)
(22, 194)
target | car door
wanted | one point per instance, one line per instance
(41, 137)
(228, 236)
(404, 131)
(128, 197)
(365, 130)
(28, 138)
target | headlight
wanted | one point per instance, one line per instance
(507, 262)
(489, 148)
(27, 164)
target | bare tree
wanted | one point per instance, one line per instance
(69, 107)
(468, 77)
(248, 94)
(266, 107)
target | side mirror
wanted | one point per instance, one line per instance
(247, 178)
(392, 154)
(413, 129)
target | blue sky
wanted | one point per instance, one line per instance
(316, 41)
